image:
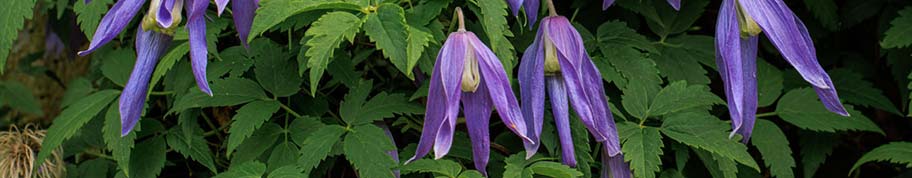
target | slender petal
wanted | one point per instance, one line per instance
(736, 58)
(606, 4)
(532, 92)
(614, 166)
(168, 12)
(220, 6)
(531, 7)
(196, 25)
(559, 108)
(243, 12)
(501, 93)
(676, 4)
(477, 108)
(150, 46)
(393, 153)
(515, 5)
(113, 23)
(444, 92)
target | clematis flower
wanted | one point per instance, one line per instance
(150, 45)
(531, 7)
(468, 71)
(558, 62)
(737, 29)
(162, 18)
(676, 4)
(614, 166)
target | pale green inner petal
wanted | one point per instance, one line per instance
(749, 27)
(552, 66)
(470, 77)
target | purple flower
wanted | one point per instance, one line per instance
(466, 70)
(738, 25)
(676, 4)
(531, 7)
(558, 62)
(614, 166)
(150, 45)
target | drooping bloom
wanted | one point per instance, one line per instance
(467, 70)
(558, 62)
(531, 7)
(162, 18)
(737, 29)
(676, 4)
(150, 45)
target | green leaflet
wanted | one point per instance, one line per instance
(365, 148)
(271, 13)
(12, 18)
(356, 109)
(19, 97)
(225, 92)
(387, 28)
(324, 36)
(317, 146)
(250, 169)
(899, 35)
(774, 147)
(801, 108)
(493, 17)
(642, 147)
(706, 132)
(73, 118)
(250, 117)
(121, 147)
(895, 152)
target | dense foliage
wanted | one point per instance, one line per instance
(340, 88)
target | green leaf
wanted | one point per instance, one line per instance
(893, 152)
(12, 18)
(554, 169)
(581, 146)
(72, 118)
(387, 29)
(343, 70)
(617, 34)
(117, 64)
(663, 19)
(197, 149)
(249, 169)
(899, 34)
(444, 167)
(815, 147)
(92, 168)
(325, 35)
(678, 97)
(417, 41)
(825, 11)
(281, 156)
(704, 131)
(225, 92)
(249, 118)
(853, 89)
(769, 83)
(88, 16)
(678, 63)
(120, 146)
(516, 166)
(290, 171)
(77, 89)
(20, 97)
(318, 145)
(150, 155)
(423, 13)
(274, 71)
(620, 45)
(365, 147)
(718, 166)
(356, 110)
(263, 139)
(801, 108)
(642, 147)
(493, 17)
(273, 12)
(167, 62)
(301, 128)
(774, 147)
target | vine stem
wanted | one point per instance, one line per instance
(551, 10)
(290, 111)
(460, 19)
(769, 114)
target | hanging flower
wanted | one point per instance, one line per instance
(558, 62)
(468, 71)
(737, 31)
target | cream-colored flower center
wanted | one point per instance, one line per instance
(470, 76)
(552, 66)
(748, 26)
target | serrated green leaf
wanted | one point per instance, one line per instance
(365, 148)
(642, 147)
(719, 167)
(387, 29)
(263, 139)
(151, 155)
(72, 119)
(197, 149)
(554, 169)
(441, 166)
(825, 12)
(301, 128)
(117, 64)
(893, 152)
(493, 17)
(280, 156)
(88, 15)
(274, 71)
(75, 90)
(250, 169)
(12, 18)
(774, 147)
(471, 174)
(704, 131)
(679, 96)
(417, 41)
(516, 166)
(801, 108)
(356, 110)
(616, 34)
(342, 69)
(318, 145)
(164, 65)
(423, 13)
(664, 20)
(92, 168)
(581, 146)
(853, 89)
(769, 83)
(323, 37)
(120, 146)
(678, 64)
(225, 92)
(20, 97)
(899, 35)
(289, 171)
(271, 13)
(815, 147)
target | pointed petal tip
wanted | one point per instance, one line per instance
(529, 154)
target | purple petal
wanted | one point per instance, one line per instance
(559, 108)
(444, 91)
(515, 5)
(220, 5)
(150, 46)
(499, 88)
(164, 15)
(113, 23)
(477, 108)
(618, 168)
(196, 25)
(88, 1)
(243, 12)
(827, 95)
(676, 4)
(606, 4)
(736, 58)
(393, 153)
(531, 7)
(532, 92)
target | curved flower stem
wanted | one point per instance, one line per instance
(551, 10)
(460, 19)
(769, 114)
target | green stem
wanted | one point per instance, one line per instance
(161, 92)
(769, 114)
(97, 154)
(290, 111)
